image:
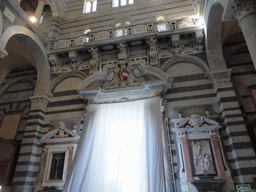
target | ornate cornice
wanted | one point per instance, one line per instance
(120, 83)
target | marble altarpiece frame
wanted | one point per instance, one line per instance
(58, 152)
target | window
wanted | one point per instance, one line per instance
(117, 3)
(161, 27)
(161, 23)
(41, 19)
(89, 6)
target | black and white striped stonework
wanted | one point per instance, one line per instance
(28, 164)
(188, 92)
(237, 145)
(105, 17)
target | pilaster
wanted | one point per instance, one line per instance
(237, 145)
(28, 163)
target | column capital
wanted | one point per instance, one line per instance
(243, 7)
(39, 102)
(221, 78)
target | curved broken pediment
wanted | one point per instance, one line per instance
(124, 83)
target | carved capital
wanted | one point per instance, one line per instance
(242, 8)
(3, 53)
(54, 60)
(40, 102)
(221, 78)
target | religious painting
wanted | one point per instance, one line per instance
(10, 125)
(57, 166)
(202, 159)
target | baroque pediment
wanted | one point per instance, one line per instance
(125, 82)
(195, 124)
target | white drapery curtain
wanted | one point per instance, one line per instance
(120, 149)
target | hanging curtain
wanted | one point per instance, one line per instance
(120, 149)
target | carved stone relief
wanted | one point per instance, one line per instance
(94, 61)
(121, 83)
(202, 158)
(221, 78)
(153, 51)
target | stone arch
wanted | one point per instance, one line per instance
(57, 8)
(64, 76)
(39, 53)
(17, 80)
(213, 21)
(233, 51)
(189, 59)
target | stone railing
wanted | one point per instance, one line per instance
(120, 31)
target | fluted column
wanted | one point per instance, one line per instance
(245, 13)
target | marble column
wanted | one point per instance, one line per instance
(245, 13)
(236, 142)
(28, 164)
(39, 11)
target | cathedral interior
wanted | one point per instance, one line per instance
(60, 58)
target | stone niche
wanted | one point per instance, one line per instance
(58, 152)
(202, 163)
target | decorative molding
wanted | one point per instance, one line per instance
(184, 25)
(221, 78)
(242, 8)
(185, 22)
(109, 86)
(60, 135)
(57, 80)
(40, 102)
(194, 124)
(209, 185)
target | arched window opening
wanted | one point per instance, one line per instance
(89, 6)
